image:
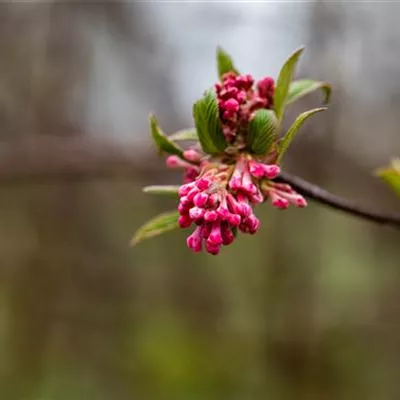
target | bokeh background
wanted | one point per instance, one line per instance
(307, 309)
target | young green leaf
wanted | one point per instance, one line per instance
(166, 190)
(185, 134)
(156, 226)
(287, 139)
(208, 125)
(284, 80)
(303, 87)
(162, 142)
(224, 63)
(262, 131)
(391, 175)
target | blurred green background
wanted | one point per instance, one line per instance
(307, 309)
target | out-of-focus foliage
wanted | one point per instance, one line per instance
(391, 175)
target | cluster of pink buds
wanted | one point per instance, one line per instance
(237, 100)
(219, 200)
(282, 195)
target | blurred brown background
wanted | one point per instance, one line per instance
(307, 309)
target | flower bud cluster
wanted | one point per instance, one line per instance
(219, 200)
(237, 100)
(218, 193)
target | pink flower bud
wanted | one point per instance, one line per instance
(241, 97)
(247, 184)
(206, 230)
(215, 237)
(211, 216)
(249, 187)
(192, 155)
(283, 187)
(245, 209)
(192, 193)
(200, 199)
(184, 221)
(257, 198)
(185, 202)
(228, 93)
(256, 169)
(196, 213)
(222, 212)
(212, 249)
(272, 171)
(228, 114)
(235, 183)
(300, 201)
(229, 79)
(278, 201)
(213, 200)
(265, 86)
(176, 162)
(183, 210)
(227, 235)
(194, 240)
(245, 81)
(231, 105)
(253, 223)
(243, 228)
(172, 161)
(203, 183)
(185, 189)
(218, 87)
(234, 206)
(190, 174)
(290, 196)
(234, 219)
(257, 103)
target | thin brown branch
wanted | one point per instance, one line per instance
(322, 196)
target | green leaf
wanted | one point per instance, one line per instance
(262, 131)
(303, 87)
(284, 80)
(208, 125)
(391, 175)
(287, 139)
(166, 190)
(162, 142)
(156, 226)
(224, 63)
(185, 134)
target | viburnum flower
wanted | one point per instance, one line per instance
(236, 158)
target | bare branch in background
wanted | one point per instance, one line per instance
(73, 159)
